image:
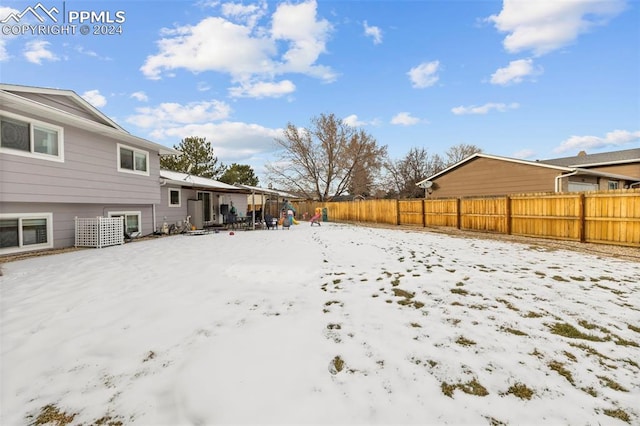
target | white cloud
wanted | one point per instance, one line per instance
(173, 114)
(615, 138)
(515, 72)
(4, 12)
(262, 89)
(38, 50)
(352, 120)
(425, 74)
(236, 45)
(247, 14)
(484, 109)
(373, 32)
(140, 96)
(404, 119)
(94, 98)
(232, 141)
(524, 154)
(545, 26)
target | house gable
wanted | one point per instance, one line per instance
(483, 175)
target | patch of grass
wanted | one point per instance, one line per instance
(633, 328)
(521, 391)
(334, 326)
(337, 281)
(508, 304)
(459, 291)
(456, 303)
(558, 367)
(610, 383)
(417, 304)
(618, 414)
(577, 278)
(479, 307)
(472, 387)
(571, 356)
(589, 350)
(151, 355)
(415, 324)
(591, 391)
(513, 331)
(463, 341)
(540, 274)
(559, 278)
(567, 330)
(398, 292)
(338, 364)
(586, 324)
(622, 342)
(532, 314)
(50, 414)
(395, 282)
(332, 302)
(108, 421)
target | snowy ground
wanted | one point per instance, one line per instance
(325, 325)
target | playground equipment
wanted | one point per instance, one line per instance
(316, 217)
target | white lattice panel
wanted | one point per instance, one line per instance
(99, 232)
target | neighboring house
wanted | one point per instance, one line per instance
(489, 175)
(61, 158)
(207, 202)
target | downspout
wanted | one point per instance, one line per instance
(634, 184)
(557, 185)
(153, 213)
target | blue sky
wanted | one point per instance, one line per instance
(524, 79)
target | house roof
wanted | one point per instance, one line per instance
(184, 179)
(601, 159)
(10, 96)
(548, 164)
(266, 191)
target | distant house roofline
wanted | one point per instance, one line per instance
(580, 168)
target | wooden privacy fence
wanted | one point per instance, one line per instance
(604, 217)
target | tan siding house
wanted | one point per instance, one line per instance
(490, 175)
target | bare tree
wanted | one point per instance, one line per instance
(459, 152)
(327, 159)
(405, 173)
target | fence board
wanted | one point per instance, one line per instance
(605, 217)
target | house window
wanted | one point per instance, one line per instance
(132, 160)
(30, 138)
(26, 231)
(174, 197)
(614, 184)
(132, 221)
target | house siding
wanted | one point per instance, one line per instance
(486, 177)
(64, 216)
(89, 174)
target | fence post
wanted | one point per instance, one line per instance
(507, 213)
(397, 212)
(458, 215)
(581, 218)
(424, 219)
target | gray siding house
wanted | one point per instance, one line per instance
(206, 201)
(61, 158)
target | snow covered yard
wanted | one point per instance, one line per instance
(326, 325)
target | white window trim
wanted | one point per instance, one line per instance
(128, 213)
(141, 151)
(31, 247)
(59, 158)
(169, 191)
(615, 183)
